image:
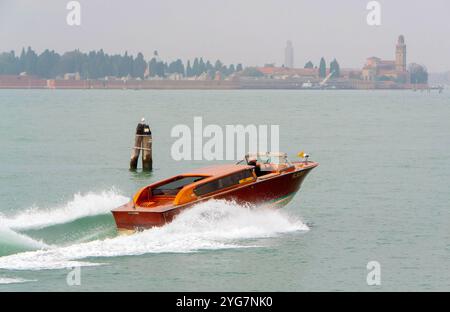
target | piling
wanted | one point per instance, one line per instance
(147, 160)
(136, 150)
(142, 142)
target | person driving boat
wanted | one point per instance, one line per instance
(253, 162)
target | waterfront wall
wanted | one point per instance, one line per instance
(26, 82)
(30, 82)
(21, 82)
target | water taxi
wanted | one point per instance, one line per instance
(259, 179)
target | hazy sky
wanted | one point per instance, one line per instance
(253, 32)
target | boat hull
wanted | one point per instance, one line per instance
(275, 192)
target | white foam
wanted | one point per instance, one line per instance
(82, 205)
(7, 280)
(211, 225)
(11, 238)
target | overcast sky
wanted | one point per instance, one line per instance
(253, 32)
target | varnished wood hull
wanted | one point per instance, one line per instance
(274, 191)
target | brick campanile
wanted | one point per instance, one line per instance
(400, 54)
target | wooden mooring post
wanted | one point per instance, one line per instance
(147, 159)
(142, 142)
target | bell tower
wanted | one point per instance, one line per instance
(400, 54)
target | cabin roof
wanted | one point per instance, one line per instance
(219, 170)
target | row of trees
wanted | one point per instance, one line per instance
(199, 67)
(95, 64)
(334, 68)
(98, 64)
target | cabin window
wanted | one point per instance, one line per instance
(174, 186)
(222, 183)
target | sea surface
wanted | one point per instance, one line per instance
(381, 193)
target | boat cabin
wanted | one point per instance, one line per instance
(204, 182)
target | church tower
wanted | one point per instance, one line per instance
(400, 54)
(289, 55)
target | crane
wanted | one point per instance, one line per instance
(324, 82)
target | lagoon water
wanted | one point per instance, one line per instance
(381, 193)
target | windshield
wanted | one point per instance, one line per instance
(174, 186)
(276, 159)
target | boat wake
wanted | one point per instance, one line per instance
(12, 242)
(17, 232)
(207, 226)
(81, 206)
(11, 280)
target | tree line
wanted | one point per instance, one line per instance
(98, 64)
(199, 67)
(334, 68)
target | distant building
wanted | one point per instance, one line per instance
(218, 76)
(175, 76)
(72, 76)
(377, 69)
(288, 73)
(289, 55)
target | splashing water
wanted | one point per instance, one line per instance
(16, 241)
(80, 206)
(13, 240)
(207, 226)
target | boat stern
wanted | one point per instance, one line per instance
(130, 218)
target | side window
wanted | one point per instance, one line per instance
(222, 183)
(207, 188)
(245, 174)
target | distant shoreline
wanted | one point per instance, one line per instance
(31, 82)
(216, 89)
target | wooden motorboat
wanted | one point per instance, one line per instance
(260, 179)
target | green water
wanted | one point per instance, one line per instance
(380, 194)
